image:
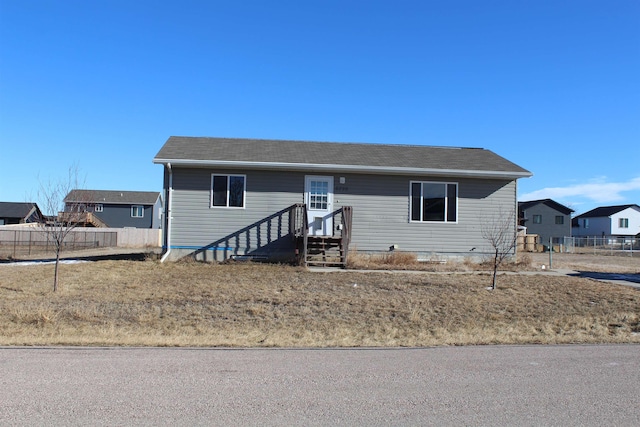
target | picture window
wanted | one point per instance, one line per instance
(433, 202)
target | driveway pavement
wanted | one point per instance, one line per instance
(495, 385)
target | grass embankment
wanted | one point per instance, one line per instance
(192, 304)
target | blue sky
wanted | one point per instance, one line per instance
(553, 86)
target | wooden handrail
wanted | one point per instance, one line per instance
(347, 218)
(78, 218)
(298, 223)
(299, 226)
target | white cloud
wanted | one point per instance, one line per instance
(598, 191)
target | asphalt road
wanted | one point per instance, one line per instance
(492, 385)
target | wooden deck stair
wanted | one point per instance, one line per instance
(321, 251)
(95, 221)
(84, 219)
(325, 251)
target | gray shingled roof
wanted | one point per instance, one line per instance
(522, 206)
(311, 155)
(16, 209)
(113, 197)
(606, 211)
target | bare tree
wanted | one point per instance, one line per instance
(500, 232)
(60, 218)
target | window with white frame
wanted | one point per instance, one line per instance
(228, 191)
(623, 222)
(434, 201)
(318, 194)
(98, 207)
(137, 211)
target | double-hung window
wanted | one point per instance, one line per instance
(137, 211)
(228, 191)
(434, 201)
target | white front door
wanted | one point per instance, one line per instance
(318, 195)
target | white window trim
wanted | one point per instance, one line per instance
(133, 207)
(307, 186)
(244, 191)
(446, 204)
(99, 207)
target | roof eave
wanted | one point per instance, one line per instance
(108, 202)
(318, 167)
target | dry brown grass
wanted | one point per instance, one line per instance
(191, 304)
(399, 260)
(525, 261)
(619, 263)
(389, 260)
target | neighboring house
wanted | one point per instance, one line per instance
(19, 213)
(117, 209)
(615, 221)
(546, 218)
(246, 197)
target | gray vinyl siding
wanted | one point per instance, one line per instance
(380, 213)
(119, 216)
(223, 232)
(548, 227)
(598, 227)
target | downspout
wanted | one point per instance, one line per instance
(167, 229)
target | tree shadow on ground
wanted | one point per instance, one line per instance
(622, 277)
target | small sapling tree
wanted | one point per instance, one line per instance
(500, 232)
(60, 217)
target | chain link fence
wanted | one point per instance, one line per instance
(602, 245)
(20, 242)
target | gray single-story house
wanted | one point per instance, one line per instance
(278, 199)
(546, 218)
(117, 209)
(19, 213)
